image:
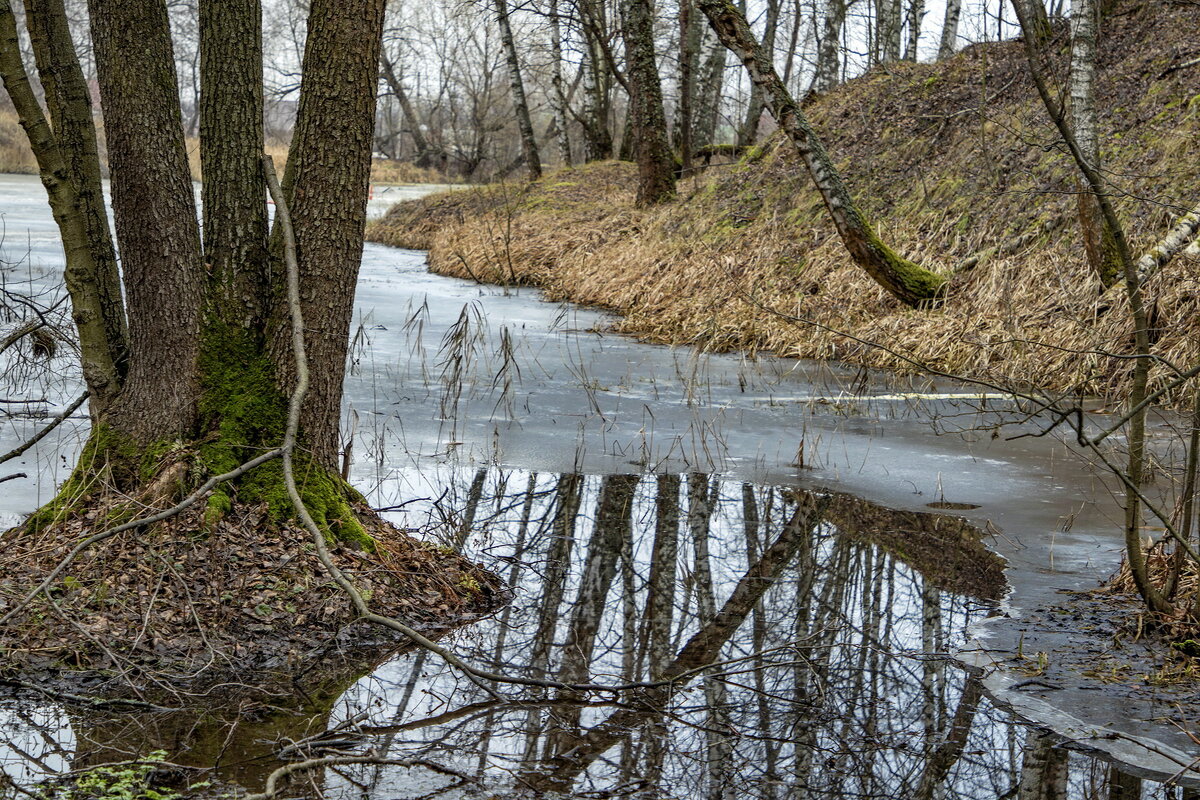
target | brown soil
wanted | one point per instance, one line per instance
(191, 604)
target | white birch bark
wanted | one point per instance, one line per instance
(949, 29)
(916, 13)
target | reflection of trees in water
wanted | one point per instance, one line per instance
(828, 683)
(821, 691)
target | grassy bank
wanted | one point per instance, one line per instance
(950, 159)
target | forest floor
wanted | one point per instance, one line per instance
(948, 159)
(198, 602)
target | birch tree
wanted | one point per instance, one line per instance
(1097, 237)
(949, 29)
(829, 49)
(656, 165)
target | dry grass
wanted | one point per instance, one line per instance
(949, 159)
(15, 155)
(401, 172)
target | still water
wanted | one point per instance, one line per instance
(652, 509)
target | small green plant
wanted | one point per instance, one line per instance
(129, 781)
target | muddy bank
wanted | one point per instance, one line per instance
(944, 157)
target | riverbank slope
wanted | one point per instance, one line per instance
(949, 159)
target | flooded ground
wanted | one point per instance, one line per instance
(640, 501)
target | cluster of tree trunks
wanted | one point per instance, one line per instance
(196, 351)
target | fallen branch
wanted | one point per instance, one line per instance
(1177, 239)
(54, 423)
(272, 787)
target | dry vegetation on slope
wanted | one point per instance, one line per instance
(950, 159)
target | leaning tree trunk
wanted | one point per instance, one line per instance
(907, 281)
(425, 153)
(69, 101)
(97, 306)
(529, 148)
(656, 165)
(1097, 238)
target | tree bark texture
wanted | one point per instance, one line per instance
(949, 29)
(328, 180)
(155, 212)
(888, 21)
(102, 345)
(69, 102)
(829, 49)
(558, 96)
(597, 86)
(748, 133)
(1097, 238)
(708, 94)
(533, 161)
(231, 147)
(916, 13)
(656, 164)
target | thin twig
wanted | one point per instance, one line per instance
(54, 423)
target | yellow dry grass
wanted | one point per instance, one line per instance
(948, 159)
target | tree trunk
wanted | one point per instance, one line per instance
(328, 180)
(656, 164)
(231, 147)
(908, 282)
(887, 31)
(155, 215)
(949, 29)
(689, 51)
(748, 134)
(708, 112)
(558, 96)
(916, 13)
(533, 161)
(829, 50)
(69, 102)
(1097, 238)
(97, 307)
(598, 141)
(424, 151)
